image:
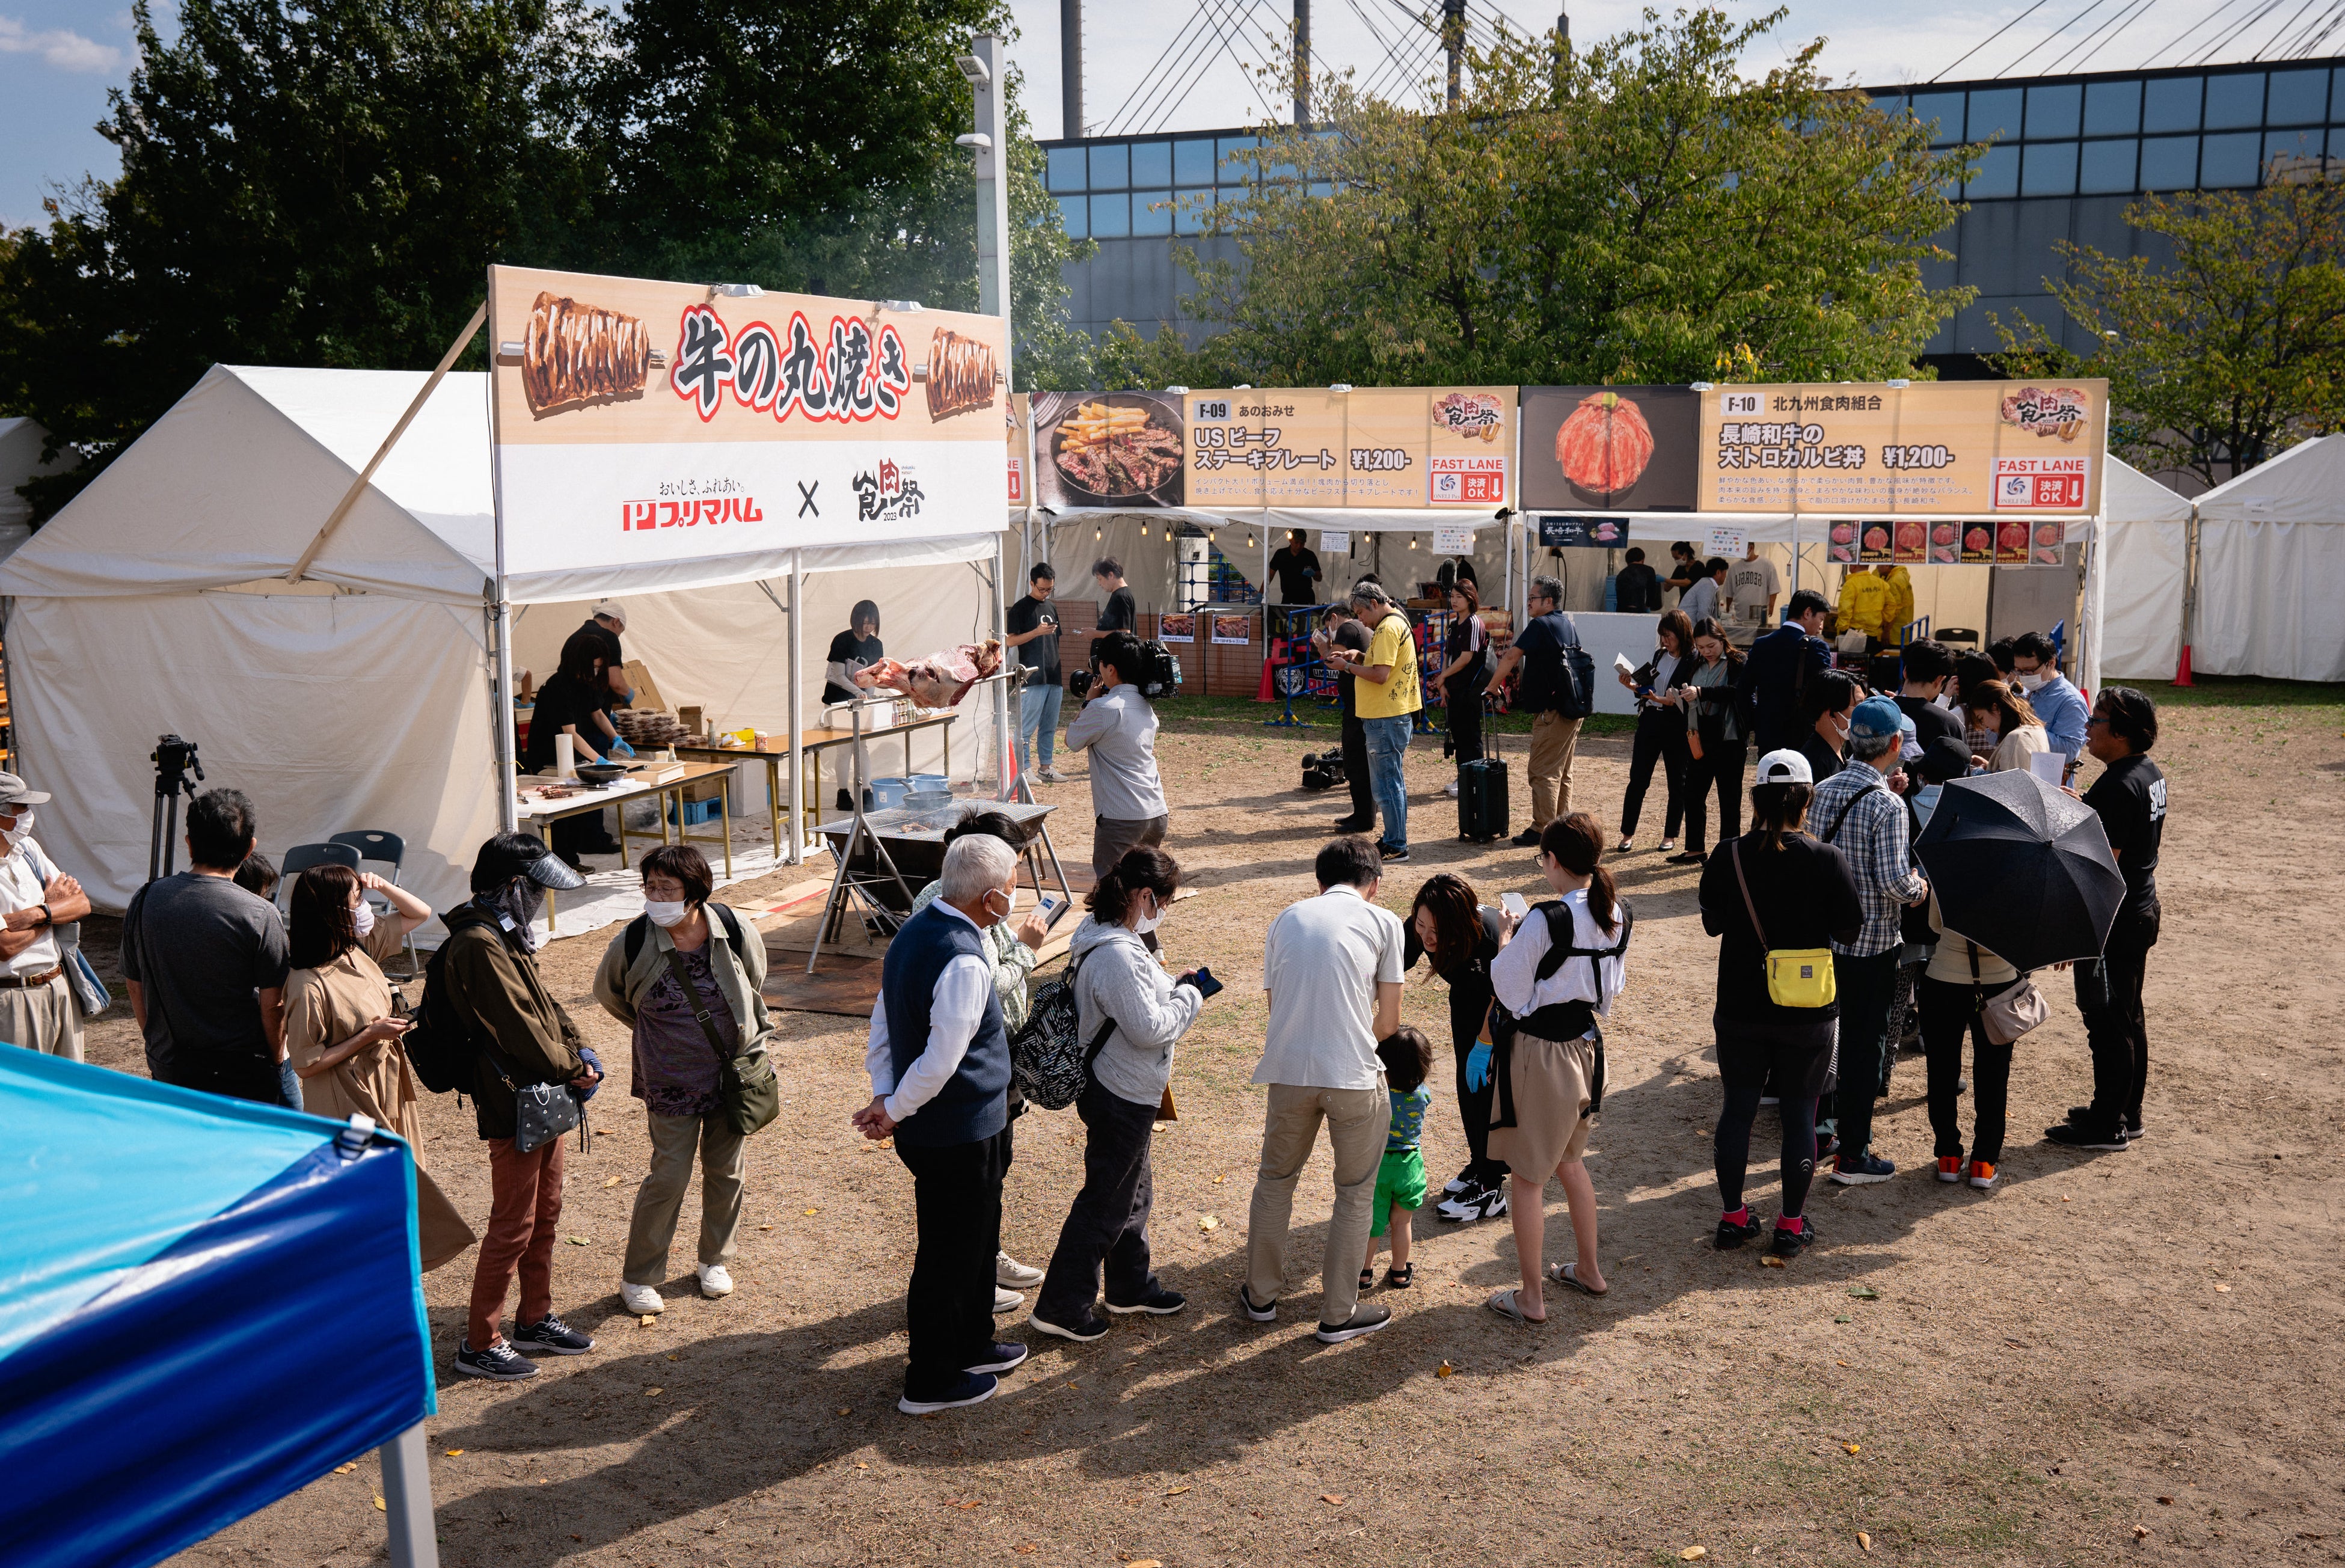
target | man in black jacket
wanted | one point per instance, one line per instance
(1778, 671)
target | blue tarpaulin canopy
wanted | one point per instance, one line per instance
(205, 1304)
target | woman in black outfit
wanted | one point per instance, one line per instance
(1661, 729)
(567, 704)
(850, 650)
(1449, 926)
(1804, 897)
(1714, 744)
(1466, 670)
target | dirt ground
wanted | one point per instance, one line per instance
(2109, 1357)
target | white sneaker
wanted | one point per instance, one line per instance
(1008, 1270)
(715, 1280)
(1452, 791)
(1052, 775)
(641, 1299)
(1007, 1301)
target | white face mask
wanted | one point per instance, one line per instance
(23, 830)
(2031, 679)
(663, 913)
(363, 918)
(1148, 923)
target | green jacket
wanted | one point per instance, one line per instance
(619, 985)
(497, 991)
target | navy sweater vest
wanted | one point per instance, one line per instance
(974, 1103)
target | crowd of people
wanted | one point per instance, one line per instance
(1833, 949)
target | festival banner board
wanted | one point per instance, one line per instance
(1016, 418)
(1942, 448)
(1311, 447)
(1610, 448)
(684, 423)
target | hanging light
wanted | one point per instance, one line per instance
(1249, 536)
(1098, 533)
(1412, 541)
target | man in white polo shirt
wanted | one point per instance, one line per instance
(1332, 968)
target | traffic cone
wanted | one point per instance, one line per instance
(2182, 671)
(1264, 693)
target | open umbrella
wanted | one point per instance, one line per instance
(2021, 869)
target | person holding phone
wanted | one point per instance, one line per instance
(1661, 729)
(1011, 953)
(1133, 1014)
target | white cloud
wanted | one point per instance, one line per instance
(58, 46)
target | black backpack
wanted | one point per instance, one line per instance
(1567, 692)
(438, 1046)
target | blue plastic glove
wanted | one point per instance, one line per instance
(1477, 1065)
(619, 748)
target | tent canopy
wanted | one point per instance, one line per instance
(2272, 569)
(2144, 569)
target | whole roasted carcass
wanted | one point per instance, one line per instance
(574, 354)
(939, 681)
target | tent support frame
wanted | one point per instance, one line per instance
(407, 1500)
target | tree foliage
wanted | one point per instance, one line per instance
(323, 182)
(1642, 212)
(2228, 354)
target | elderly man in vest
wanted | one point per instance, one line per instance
(940, 1064)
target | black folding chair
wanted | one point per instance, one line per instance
(384, 849)
(301, 858)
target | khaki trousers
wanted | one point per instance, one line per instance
(1553, 740)
(42, 1019)
(660, 1199)
(1359, 1121)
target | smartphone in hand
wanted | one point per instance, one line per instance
(1207, 986)
(1514, 904)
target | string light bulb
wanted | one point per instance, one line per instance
(1412, 541)
(1098, 533)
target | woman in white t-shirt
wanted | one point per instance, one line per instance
(1552, 1081)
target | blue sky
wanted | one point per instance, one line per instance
(58, 57)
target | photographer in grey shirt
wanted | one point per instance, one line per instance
(1118, 727)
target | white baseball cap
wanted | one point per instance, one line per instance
(1786, 766)
(612, 607)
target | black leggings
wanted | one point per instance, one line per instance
(1473, 1110)
(1733, 1146)
(1721, 763)
(1793, 1060)
(1660, 737)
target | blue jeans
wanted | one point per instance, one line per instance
(1038, 711)
(1387, 744)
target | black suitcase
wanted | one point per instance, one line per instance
(1482, 800)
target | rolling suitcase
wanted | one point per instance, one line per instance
(1482, 800)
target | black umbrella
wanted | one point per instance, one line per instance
(2021, 869)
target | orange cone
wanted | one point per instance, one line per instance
(2182, 671)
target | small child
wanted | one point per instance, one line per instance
(1408, 1056)
(257, 877)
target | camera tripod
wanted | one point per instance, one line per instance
(174, 759)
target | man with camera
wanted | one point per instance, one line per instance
(1119, 728)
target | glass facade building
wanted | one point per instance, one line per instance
(2064, 157)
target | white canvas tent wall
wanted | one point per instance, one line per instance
(2272, 569)
(157, 601)
(2143, 555)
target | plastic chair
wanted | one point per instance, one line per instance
(1958, 634)
(384, 849)
(301, 858)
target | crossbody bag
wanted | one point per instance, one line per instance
(745, 1080)
(1796, 977)
(2010, 1012)
(1556, 1020)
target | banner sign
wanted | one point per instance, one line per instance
(1603, 533)
(685, 422)
(1452, 539)
(1394, 447)
(1016, 415)
(1948, 448)
(1610, 448)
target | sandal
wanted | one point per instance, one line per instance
(1367, 1279)
(1401, 1277)
(1562, 1274)
(1503, 1303)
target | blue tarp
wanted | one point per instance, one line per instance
(205, 1304)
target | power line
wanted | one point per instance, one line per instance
(2048, 37)
(1151, 78)
(2266, 9)
(1990, 38)
(2109, 34)
(2283, 27)
(2175, 42)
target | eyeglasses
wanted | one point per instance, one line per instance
(2096, 719)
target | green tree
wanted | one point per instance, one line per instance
(313, 186)
(2231, 352)
(811, 147)
(1641, 211)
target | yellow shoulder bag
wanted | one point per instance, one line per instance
(1796, 977)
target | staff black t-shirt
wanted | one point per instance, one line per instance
(1470, 989)
(847, 648)
(1040, 655)
(1298, 573)
(2131, 797)
(1930, 721)
(1352, 638)
(1638, 589)
(1806, 897)
(1120, 614)
(561, 701)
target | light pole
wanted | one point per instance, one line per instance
(983, 65)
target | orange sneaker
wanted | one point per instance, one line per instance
(1980, 1175)
(1950, 1167)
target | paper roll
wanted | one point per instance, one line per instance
(566, 754)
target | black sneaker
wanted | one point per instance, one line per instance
(2073, 1135)
(1730, 1235)
(499, 1363)
(1791, 1243)
(1349, 825)
(1526, 839)
(1082, 1331)
(974, 1389)
(1159, 1301)
(2081, 1116)
(553, 1335)
(1393, 853)
(1365, 1320)
(1004, 1356)
(1259, 1314)
(1859, 1169)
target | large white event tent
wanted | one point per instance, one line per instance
(158, 601)
(2145, 555)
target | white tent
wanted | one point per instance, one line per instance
(158, 601)
(2272, 569)
(2144, 552)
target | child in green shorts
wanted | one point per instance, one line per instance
(1408, 1056)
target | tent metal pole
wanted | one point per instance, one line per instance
(407, 1500)
(798, 707)
(500, 612)
(366, 475)
(1005, 776)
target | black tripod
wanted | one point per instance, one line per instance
(174, 759)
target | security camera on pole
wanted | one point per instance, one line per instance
(983, 67)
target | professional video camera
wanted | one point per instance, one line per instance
(1157, 672)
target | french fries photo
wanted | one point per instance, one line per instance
(1091, 424)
